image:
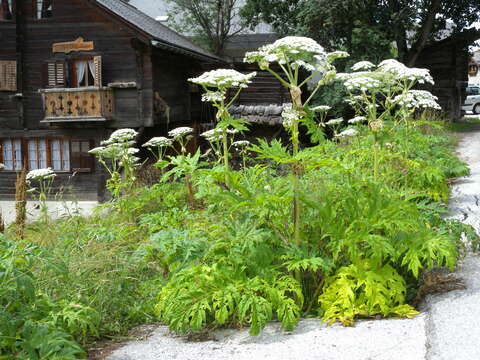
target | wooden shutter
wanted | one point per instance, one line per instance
(55, 74)
(98, 71)
(8, 76)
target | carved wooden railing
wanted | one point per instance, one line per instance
(78, 104)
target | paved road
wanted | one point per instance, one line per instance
(56, 209)
(448, 329)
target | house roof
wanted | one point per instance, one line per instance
(162, 36)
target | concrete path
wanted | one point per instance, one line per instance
(448, 329)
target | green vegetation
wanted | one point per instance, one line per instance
(341, 229)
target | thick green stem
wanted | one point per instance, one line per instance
(225, 149)
(297, 104)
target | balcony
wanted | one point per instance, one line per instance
(78, 104)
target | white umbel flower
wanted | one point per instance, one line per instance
(224, 79)
(121, 136)
(363, 65)
(180, 132)
(415, 99)
(289, 116)
(241, 143)
(347, 133)
(40, 174)
(160, 141)
(322, 108)
(335, 121)
(357, 119)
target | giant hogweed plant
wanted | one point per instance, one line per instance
(216, 85)
(294, 55)
(386, 92)
(118, 156)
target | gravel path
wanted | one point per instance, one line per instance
(448, 329)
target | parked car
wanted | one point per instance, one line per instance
(472, 103)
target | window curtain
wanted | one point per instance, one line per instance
(91, 66)
(5, 10)
(46, 8)
(80, 68)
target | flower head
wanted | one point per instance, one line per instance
(121, 136)
(213, 96)
(363, 65)
(241, 143)
(335, 121)
(224, 79)
(158, 142)
(322, 108)
(302, 51)
(347, 133)
(40, 174)
(403, 72)
(415, 99)
(357, 119)
(180, 132)
(290, 115)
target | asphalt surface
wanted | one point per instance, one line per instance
(448, 329)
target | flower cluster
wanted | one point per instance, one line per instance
(334, 122)
(213, 96)
(224, 79)
(362, 83)
(302, 51)
(322, 108)
(216, 134)
(121, 136)
(180, 132)
(290, 115)
(357, 119)
(363, 65)
(347, 133)
(405, 73)
(41, 174)
(414, 99)
(240, 144)
(158, 142)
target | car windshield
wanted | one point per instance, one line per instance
(473, 91)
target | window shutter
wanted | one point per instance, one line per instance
(8, 75)
(55, 74)
(98, 71)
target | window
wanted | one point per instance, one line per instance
(42, 9)
(58, 154)
(6, 10)
(85, 72)
(12, 154)
(82, 161)
(8, 75)
(37, 154)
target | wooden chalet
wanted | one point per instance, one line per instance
(73, 71)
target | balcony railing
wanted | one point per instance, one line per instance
(78, 104)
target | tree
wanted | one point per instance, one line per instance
(211, 22)
(409, 24)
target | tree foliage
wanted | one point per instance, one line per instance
(212, 22)
(410, 25)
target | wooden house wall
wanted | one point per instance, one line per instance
(171, 88)
(8, 51)
(121, 59)
(448, 64)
